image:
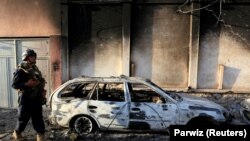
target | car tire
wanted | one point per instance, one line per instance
(83, 125)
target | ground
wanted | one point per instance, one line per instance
(8, 123)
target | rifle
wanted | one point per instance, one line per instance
(34, 73)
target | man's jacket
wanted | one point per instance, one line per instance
(29, 95)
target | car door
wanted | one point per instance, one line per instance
(69, 100)
(150, 109)
(108, 104)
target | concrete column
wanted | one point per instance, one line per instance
(65, 50)
(221, 69)
(65, 59)
(194, 47)
(55, 48)
(126, 39)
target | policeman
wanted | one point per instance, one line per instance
(30, 84)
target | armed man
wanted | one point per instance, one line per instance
(29, 83)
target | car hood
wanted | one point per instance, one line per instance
(199, 101)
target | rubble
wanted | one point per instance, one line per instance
(245, 110)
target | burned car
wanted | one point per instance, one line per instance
(127, 103)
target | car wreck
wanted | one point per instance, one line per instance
(127, 103)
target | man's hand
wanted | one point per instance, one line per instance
(32, 83)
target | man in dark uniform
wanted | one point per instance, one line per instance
(30, 84)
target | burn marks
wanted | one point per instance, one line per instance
(204, 108)
(137, 115)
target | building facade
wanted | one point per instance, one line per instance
(202, 45)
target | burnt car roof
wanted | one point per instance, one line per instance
(111, 79)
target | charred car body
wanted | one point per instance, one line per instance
(127, 103)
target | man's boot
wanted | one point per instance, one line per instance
(40, 137)
(18, 136)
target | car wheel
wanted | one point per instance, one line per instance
(83, 125)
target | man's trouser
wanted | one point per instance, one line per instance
(35, 112)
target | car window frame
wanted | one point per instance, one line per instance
(94, 88)
(74, 97)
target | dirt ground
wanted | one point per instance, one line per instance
(8, 123)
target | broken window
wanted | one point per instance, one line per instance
(142, 93)
(77, 90)
(111, 91)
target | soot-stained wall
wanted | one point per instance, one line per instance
(225, 42)
(160, 44)
(100, 52)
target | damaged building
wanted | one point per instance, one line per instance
(195, 46)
